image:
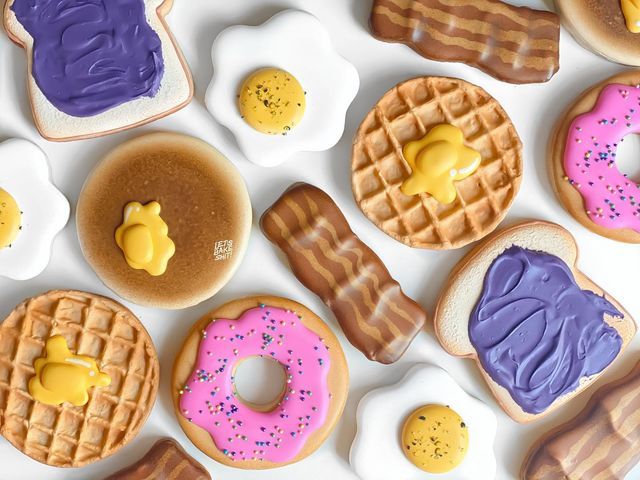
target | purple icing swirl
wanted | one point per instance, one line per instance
(536, 332)
(90, 56)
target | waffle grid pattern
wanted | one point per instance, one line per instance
(69, 436)
(407, 113)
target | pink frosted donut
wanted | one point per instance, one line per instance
(246, 437)
(611, 200)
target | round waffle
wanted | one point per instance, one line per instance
(406, 113)
(65, 435)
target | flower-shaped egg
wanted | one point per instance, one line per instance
(32, 210)
(281, 87)
(424, 427)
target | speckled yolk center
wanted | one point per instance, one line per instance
(10, 218)
(272, 101)
(144, 239)
(435, 439)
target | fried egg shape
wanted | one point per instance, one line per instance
(296, 43)
(43, 210)
(378, 451)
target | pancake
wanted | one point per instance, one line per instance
(204, 203)
(600, 26)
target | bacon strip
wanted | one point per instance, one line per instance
(601, 443)
(514, 44)
(165, 461)
(330, 260)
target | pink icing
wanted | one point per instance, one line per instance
(209, 399)
(611, 199)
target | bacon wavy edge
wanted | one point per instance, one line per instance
(330, 260)
(513, 44)
(601, 442)
(166, 460)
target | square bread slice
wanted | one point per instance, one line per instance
(175, 91)
(465, 286)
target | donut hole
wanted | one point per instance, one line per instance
(628, 157)
(260, 383)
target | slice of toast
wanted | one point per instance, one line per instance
(172, 85)
(465, 288)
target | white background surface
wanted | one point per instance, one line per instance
(195, 23)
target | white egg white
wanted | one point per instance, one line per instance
(376, 453)
(297, 42)
(24, 174)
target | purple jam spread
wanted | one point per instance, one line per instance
(536, 332)
(90, 56)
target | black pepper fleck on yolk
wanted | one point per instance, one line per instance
(10, 219)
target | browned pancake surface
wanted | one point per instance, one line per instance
(204, 202)
(600, 24)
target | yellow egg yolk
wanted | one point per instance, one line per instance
(144, 239)
(10, 218)
(61, 376)
(435, 439)
(272, 101)
(438, 160)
